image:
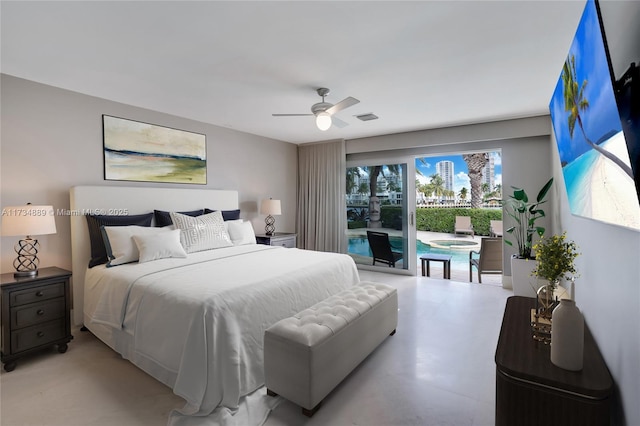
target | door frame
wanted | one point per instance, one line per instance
(409, 204)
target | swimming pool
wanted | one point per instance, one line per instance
(457, 249)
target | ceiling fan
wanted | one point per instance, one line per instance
(324, 111)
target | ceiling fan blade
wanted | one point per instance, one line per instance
(345, 103)
(338, 123)
(290, 115)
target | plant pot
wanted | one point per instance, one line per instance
(524, 284)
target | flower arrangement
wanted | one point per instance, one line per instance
(554, 257)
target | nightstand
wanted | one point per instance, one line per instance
(283, 239)
(35, 313)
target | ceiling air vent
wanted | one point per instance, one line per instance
(367, 117)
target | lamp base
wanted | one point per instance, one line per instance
(26, 263)
(22, 274)
(270, 229)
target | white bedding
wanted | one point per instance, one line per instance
(197, 324)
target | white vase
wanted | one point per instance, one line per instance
(567, 336)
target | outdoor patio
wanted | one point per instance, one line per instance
(459, 271)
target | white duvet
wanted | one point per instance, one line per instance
(200, 321)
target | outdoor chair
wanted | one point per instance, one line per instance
(495, 228)
(463, 225)
(381, 249)
(489, 260)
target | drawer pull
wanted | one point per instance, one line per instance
(40, 312)
(40, 334)
(39, 294)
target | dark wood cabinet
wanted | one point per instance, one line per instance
(531, 390)
(35, 313)
(283, 239)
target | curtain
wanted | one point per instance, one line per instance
(322, 215)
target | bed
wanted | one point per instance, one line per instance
(196, 322)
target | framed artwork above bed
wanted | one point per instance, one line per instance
(142, 152)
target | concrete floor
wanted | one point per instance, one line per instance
(438, 369)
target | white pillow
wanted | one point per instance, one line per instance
(227, 222)
(200, 233)
(159, 246)
(120, 246)
(241, 233)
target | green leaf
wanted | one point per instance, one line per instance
(540, 230)
(520, 195)
(544, 190)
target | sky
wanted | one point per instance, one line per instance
(460, 170)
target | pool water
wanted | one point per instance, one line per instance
(459, 257)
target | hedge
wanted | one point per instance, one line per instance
(444, 219)
(439, 219)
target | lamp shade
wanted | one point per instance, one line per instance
(323, 121)
(28, 220)
(271, 207)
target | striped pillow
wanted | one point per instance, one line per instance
(201, 233)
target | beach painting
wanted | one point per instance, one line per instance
(136, 151)
(586, 123)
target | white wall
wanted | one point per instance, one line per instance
(608, 289)
(51, 140)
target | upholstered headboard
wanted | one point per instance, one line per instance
(119, 200)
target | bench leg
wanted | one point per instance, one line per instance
(393, 332)
(271, 393)
(311, 412)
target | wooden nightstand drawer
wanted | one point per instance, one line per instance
(37, 335)
(37, 313)
(36, 294)
(281, 239)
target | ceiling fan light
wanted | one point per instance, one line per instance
(323, 121)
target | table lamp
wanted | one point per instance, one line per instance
(27, 221)
(270, 207)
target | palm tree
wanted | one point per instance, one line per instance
(463, 193)
(436, 184)
(574, 102)
(475, 164)
(374, 172)
(352, 174)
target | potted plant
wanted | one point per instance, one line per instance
(554, 261)
(525, 213)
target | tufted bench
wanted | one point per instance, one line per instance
(306, 356)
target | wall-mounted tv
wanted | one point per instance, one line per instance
(594, 154)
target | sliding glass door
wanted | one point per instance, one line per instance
(380, 207)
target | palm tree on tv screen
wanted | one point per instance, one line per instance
(575, 102)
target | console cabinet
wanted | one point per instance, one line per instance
(531, 390)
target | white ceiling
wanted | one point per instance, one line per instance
(417, 65)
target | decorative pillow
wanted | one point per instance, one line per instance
(241, 233)
(227, 222)
(226, 214)
(94, 222)
(164, 218)
(159, 246)
(200, 233)
(119, 243)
